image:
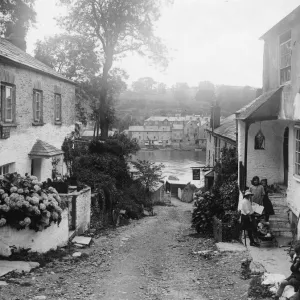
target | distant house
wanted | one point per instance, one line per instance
(269, 127)
(37, 112)
(151, 135)
(177, 133)
(220, 137)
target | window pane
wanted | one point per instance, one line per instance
(8, 103)
(57, 107)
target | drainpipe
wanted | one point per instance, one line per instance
(246, 152)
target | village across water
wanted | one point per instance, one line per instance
(177, 163)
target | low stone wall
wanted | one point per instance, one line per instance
(79, 209)
(41, 241)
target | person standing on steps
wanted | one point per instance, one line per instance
(268, 206)
(257, 190)
(247, 217)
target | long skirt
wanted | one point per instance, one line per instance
(268, 206)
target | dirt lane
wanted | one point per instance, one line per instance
(150, 262)
(149, 259)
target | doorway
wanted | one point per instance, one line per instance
(36, 167)
(286, 155)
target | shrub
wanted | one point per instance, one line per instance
(25, 202)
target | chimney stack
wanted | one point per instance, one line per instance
(215, 117)
(16, 37)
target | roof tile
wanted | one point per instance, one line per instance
(43, 149)
(13, 53)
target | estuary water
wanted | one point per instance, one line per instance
(177, 163)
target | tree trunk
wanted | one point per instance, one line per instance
(103, 111)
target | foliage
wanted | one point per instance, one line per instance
(77, 58)
(119, 144)
(149, 173)
(222, 201)
(205, 209)
(181, 91)
(117, 27)
(206, 93)
(16, 16)
(74, 56)
(25, 202)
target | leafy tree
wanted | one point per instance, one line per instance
(16, 16)
(206, 92)
(118, 27)
(144, 85)
(161, 88)
(74, 56)
(149, 173)
(181, 91)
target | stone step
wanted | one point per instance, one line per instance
(282, 232)
(283, 223)
(281, 218)
(280, 227)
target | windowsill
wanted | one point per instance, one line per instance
(58, 123)
(8, 125)
(296, 177)
(37, 124)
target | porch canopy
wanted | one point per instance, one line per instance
(265, 107)
(44, 150)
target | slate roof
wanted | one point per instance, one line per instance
(287, 21)
(253, 106)
(43, 149)
(10, 52)
(227, 128)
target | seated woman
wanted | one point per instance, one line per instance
(268, 206)
(247, 217)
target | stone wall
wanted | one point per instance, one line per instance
(41, 241)
(23, 136)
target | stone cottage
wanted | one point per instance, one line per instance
(269, 127)
(37, 110)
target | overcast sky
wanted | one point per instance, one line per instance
(215, 40)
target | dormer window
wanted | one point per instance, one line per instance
(285, 51)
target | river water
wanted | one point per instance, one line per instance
(177, 163)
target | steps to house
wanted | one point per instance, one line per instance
(279, 223)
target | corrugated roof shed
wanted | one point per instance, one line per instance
(43, 149)
(227, 128)
(10, 52)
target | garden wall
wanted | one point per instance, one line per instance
(79, 209)
(41, 241)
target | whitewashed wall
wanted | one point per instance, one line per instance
(41, 241)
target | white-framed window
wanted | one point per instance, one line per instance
(37, 106)
(285, 54)
(57, 107)
(297, 151)
(5, 169)
(7, 103)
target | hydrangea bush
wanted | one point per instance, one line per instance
(26, 202)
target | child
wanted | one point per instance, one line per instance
(268, 206)
(294, 279)
(257, 190)
(247, 217)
